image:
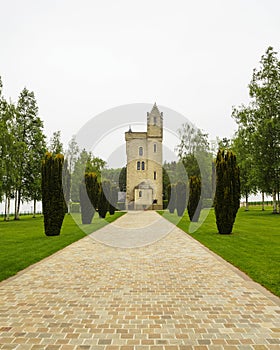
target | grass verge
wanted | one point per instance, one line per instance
(253, 247)
(24, 243)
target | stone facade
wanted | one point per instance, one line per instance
(144, 164)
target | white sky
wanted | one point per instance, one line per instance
(84, 57)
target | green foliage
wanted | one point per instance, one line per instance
(227, 197)
(52, 193)
(92, 187)
(224, 144)
(113, 199)
(171, 191)
(175, 171)
(72, 153)
(87, 209)
(242, 147)
(31, 146)
(260, 123)
(22, 146)
(103, 205)
(89, 196)
(122, 180)
(194, 152)
(181, 196)
(165, 183)
(194, 202)
(192, 140)
(66, 183)
(56, 146)
(85, 163)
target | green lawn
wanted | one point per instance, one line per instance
(253, 247)
(24, 243)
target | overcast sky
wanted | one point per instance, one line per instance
(83, 57)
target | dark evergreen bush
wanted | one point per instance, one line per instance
(52, 193)
(66, 183)
(87, 209)
(181, 196)
(171, 190)
(92, 186)
(113, 200)
(194, 202)
(122, 179)
(103, 205)
(227, 197)
(89, 193)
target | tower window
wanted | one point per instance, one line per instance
(140, 151)
(155, 175)
(155, 147)
(138, 165)
(140, 194)
(155, 120)
(143, 165)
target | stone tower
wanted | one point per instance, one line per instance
(144, 164)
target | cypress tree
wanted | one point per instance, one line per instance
(52, 193)
(181, 195)
(113, 199)
(66, 183)
(194, 202)
(88, 191)
(92, 187)
(171, 191)
(227, 197)
(87, 209)
(103, 205)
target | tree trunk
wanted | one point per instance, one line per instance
(247, 202)
(34, 208)
(274, 202)
(18, 204)
(262, 201)
(278, 202)
(16, 196)
(6, 206)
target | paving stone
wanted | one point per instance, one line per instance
(170, 295)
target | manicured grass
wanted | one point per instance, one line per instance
(253, 247)
(24, 243)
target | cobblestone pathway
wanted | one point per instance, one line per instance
(172, 294)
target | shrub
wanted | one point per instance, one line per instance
(53, 201)
(194, 202)
(87, 209)
(227, 197)
(103, 205)
(89, 192)
(181, 195)
(92, 187)
(171, 198)
(113, 200)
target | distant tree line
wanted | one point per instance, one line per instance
(257, 140)
(22, 147)
(247, 164)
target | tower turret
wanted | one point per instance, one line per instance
(154, 122)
